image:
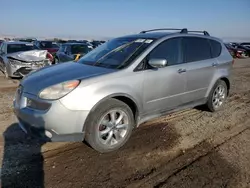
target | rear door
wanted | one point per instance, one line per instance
(200, 66)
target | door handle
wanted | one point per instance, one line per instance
(214, 64)
(182, 70)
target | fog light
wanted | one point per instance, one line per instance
(48, 134)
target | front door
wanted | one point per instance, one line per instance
(164, 87)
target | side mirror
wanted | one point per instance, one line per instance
(158, 63)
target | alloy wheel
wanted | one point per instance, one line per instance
(113, 127)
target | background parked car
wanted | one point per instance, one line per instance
(25, 39)
(17, 59)
(50, 46)
(245, 44)
(71, 51)
(244, 49)
(232, 50)
(1, 41)
(96, 43)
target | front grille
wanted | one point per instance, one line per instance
(37, 105)
(24, 70)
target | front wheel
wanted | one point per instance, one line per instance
(109, 126)
(217, 96)
(6, 74)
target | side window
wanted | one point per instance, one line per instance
(196, 49)
(68, 49)
(215, 48)
(62, 48)
(1, 47)
(169, 50)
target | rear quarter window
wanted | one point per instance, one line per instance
(215, 48)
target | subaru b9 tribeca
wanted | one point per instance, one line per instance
(123, 83)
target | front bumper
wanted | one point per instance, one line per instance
(23, 70)
(54, 122)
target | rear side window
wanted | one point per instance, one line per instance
(62, 48)
(215, 48)
(196, 49)
(169, 50)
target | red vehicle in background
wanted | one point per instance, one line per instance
(237, 52)
(50, 46)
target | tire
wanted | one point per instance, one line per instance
(102, 115)
(211, 103)
(6, 75)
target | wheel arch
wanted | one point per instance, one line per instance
(223, 78)
(127, 99)
(226, 80)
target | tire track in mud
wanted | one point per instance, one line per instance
(158, 177)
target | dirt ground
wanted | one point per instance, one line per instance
(192, 148)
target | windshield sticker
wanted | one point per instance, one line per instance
(148, 41)
(140, 40)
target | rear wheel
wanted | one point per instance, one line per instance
(109, 126)
(217, 96)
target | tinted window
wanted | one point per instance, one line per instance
(196, 49)
(46, 44)
(76, 49)
(216, 48)
(11, 48)
(62, 48)
(169, 50)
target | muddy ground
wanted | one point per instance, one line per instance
(191, 148)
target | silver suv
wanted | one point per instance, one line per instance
(123, 83)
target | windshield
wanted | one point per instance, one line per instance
(12, 48)
(116, 53)
(79, 49)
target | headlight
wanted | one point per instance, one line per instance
(15, 62)
(59, 90)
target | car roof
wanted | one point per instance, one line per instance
(158, 35)
(152, 35)
(17, 42)
(76, 43)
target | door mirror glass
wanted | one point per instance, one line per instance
(157, 63)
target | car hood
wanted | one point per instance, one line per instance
(51, 75)
(32, 55)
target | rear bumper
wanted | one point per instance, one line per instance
(56, 123)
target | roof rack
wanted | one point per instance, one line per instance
(204, 32)
(184, 30)
(163, 29)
